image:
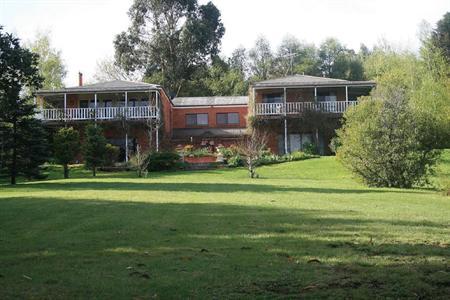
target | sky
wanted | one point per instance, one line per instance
(84, 30)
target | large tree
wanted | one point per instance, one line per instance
(94, 147)
(169, 40)
(51, 65)
(261, 60)
(107, 70)
(441, 35)
(19, 77)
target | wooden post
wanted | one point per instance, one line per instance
(254, 101)
(126, 127)
(126, 146)
(346, 93)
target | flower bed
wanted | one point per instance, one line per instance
(200, 159)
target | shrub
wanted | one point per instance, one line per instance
(235, 161)
(382, 141)
(66, 144)
(310, 148)
(160, 161)
(94, 147)
(111, 155)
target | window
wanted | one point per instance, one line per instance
(273, 98)
(107, 103)
(227, 118)
(84, 103)
(196, 119)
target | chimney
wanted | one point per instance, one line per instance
(80, 79)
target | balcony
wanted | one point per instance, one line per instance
(293, 108)
(100, 113)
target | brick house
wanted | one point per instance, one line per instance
(136, 113)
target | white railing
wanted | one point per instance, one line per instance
(271, 109)
(100, 113)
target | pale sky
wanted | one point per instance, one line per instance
(84, 30)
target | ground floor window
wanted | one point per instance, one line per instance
(298, 142)
(196, 119)
(227, 118)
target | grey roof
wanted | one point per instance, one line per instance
(109, 86)
(210, 101)
(186, 133)
(306, 80)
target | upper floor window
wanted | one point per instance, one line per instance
(196, 119)
(273, 98)
(227, 118)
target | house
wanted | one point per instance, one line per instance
(300, 110)
(296, 111)
(128, 111)
(209, 121)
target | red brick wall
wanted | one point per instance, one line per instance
(179, 116)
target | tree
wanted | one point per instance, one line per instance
(441, 35)
(252, 147)
(169, 40)
(94, 147)
(19, 77)
(239, 61)
(261, 60)
(51, 65)
(382, 141)
(66, 143)
(295, 57)
(222, 80)
(336, 61)
(108, 70)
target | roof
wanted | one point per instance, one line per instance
(109, 86)
(185, 133)
(306, 80)
(210, 101)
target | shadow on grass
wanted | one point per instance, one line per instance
(221, 250)
(94, 184)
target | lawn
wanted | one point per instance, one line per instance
(303, 230)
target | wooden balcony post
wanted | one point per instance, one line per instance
(346, 93)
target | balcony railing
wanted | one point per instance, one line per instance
(100, 113)
(275, 109)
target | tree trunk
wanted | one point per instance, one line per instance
(14, 154)
(66, 171)
(94, 171)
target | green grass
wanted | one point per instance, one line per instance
(303, 230)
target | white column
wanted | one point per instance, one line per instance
(126, 105)
(315, 93)
(285, 123)
(285, 136)
(126, 146)
(254, 101)
(65, 107)
(346, 93)
(158, 120)
(95, 106)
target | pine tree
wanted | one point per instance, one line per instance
(66, 143)
(94, 147)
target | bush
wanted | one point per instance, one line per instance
(111, 155)
(382, 141)
(310, 148)
(235, 161)
(161, 161)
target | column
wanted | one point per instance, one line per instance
(346, 93)
(158, 120)
(95, 107)
(65, 107)
(285, 123)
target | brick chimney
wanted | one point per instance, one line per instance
(80, 79)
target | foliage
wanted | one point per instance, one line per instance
(111, 155)
(252, 148)
(51, 65)
(66, 145)
(336, 61)
(140, 161)
(261, 59)
(441, 35)
(190, 150)
(107, 70)
(94, 147)
(160, 161)
(169, 39)
(268, 158)
(310, 148)
(19, 78)
(382, 142)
